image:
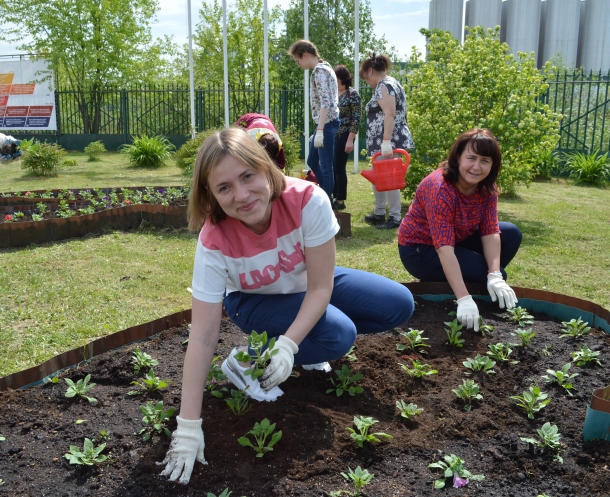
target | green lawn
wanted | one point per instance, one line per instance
(60, 296)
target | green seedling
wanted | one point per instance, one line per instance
(361, 436)
(155, 419)
(80, 388)
(525, 336)
(414, 340)
(408, 411)
(500, 352)
(260, 432)
(142, 360)
(351, 356)
(468, 391)
(575, 328)
(585, 357)
(103, 435)
(418, 370)
(215, 376)
(532, 401)
(239, 402)
(225, 493)
(484, 328)
(520, 316)
(561, 377)
(345, 382)
(150, 383)
(480, 363)
(453, 467)
(549, 437)
(89, 455)
(454, 333)
(358, 478)
(260, 359)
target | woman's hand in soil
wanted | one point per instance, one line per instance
(187, 445)
(499, 290)
(280, 366)
(468, 312)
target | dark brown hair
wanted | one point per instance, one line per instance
(377, 62)
(270, 144)
(344, 75)
(482, 142)
(301, 47)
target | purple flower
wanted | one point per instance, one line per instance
(459, 482)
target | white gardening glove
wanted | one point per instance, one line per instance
(318, 141)
(468, 312)
(498, 289)
(280, 366)
(187, 445)
(386, 148)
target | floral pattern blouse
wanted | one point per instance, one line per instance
(350, 110)
(323, 92)
(401, 136)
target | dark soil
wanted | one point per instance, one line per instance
(39, 424)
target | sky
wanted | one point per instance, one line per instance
(399, 20)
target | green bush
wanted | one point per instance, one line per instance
(480, 84)
(94, 150)
(186, 154)
(588, 169)
(292, 148)
(546, 166)
(41, 158)
(148, 152)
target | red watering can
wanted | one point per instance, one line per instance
(388, 173)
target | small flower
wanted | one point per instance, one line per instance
(8, 217)
(27, 194)
(459, 482)
(127, 202)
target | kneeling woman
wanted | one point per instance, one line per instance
(267, 248)
(451, 231)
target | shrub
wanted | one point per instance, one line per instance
(546, 166)
(42, 158)
(479, 84)
(94, 149)
(186, 154)
(292, 148)
(149, 152)
(588, 169)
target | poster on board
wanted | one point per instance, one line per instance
(27, 96)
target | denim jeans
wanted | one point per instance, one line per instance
(339, 166)
(361, 302)
(321, 159)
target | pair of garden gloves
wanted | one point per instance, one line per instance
(467, 310)
(187, 440)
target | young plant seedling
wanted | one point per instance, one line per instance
(454, 333)
(155, 419)
(575, 328)
(561, 377)
(549, 437)
(418, 370)
(480, 363)
(363, 424)
(80, 388)
(215, 376)
(468, 391)
(345, 382)
(358, 478)
(585, 357)
(89, 455)
(261, 358)
(408, 411)
(142, 360)
(351, 356)
(414, 340)
(500, 352)
(525, 336)
(239, 402)
(150, 383)
(532, 401)
(225, 493)
(484, 328)
(520, 316)
(453, 467)
(260, 432)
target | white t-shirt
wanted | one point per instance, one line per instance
(231, 257)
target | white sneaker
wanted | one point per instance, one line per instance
(235, 373)
(321, 366)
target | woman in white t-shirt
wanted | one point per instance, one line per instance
(267, 249)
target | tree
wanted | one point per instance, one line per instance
(90, 44)
(479, 84)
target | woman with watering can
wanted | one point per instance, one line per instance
(386, 130)
(451, 231)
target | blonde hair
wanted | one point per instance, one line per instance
(301, 47)
(236, 143)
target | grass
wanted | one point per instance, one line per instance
(63, 295)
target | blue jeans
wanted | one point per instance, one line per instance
(422, 261)
(320, 160)
(361, 302)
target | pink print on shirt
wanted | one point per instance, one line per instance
(270, 274)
